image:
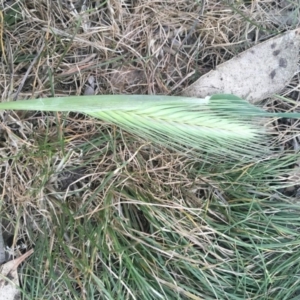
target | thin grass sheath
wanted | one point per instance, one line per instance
(221, 125)
(88, 104)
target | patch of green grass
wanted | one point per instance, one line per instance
(130, 234)
(148, 223)
(141, 248)
(12, 14)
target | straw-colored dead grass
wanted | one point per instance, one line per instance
(129, 47)
(50, 162)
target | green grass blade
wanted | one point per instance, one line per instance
(221, 125)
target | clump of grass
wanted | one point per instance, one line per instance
(132, 243)
(109, 215)
(145, 222)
